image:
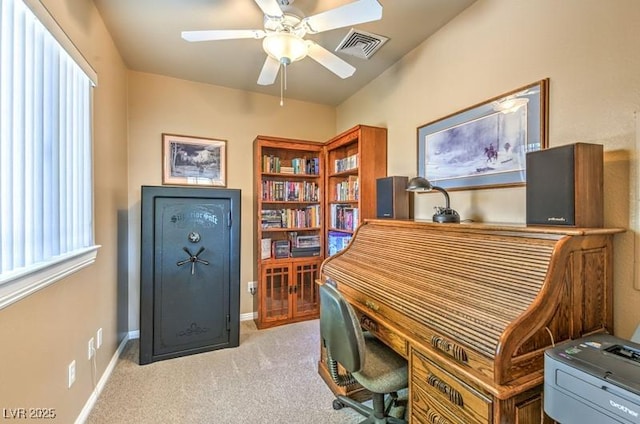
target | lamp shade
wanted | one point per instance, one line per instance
(285, 47)
(419, 184)
(446, 214)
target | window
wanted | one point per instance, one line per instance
(46, 205)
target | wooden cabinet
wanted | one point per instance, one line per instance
(303, 188)
(288, 185)
(288, 292)
(439, 396)
(475, 314)
(355, 159)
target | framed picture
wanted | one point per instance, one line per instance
(194, 160)
(485, 146)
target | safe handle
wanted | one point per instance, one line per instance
(193, 258)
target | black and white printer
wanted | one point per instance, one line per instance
(595, 379)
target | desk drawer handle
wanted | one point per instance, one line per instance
(435, 418)
(368, 324)
(371, 305)
(454, 396)
(449, 348)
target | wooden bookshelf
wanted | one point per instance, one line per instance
(355, 157)
(288, 185)
(286, 285)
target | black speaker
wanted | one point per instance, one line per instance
(564, 186)
(392, 198)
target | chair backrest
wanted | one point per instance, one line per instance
(340, 329)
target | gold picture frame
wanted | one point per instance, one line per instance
(485, 145)
(191, 160)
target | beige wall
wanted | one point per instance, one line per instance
(588, 49)
(160, 104)
(44, 332)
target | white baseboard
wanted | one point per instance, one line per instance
(248, 316)
(135, 334)
(88, 406)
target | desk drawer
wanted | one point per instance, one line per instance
(425, 410)
(448, 394)
(382, 332)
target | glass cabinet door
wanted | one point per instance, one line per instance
(276, 292)
(305, 288)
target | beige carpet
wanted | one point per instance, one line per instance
(270, 378)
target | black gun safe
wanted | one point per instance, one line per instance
(189, 271)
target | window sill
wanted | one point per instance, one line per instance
(15, 287)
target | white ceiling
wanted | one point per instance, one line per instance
(147, 34)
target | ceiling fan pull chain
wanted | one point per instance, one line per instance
(285, 76)
(283, 80)
(282, 84)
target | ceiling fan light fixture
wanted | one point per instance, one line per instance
(285, 47)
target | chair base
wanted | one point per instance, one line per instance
(379, 414)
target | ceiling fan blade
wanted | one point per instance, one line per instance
(353, 13)
(269, 71)
(223, 34)
(270, 7)
(330, 60)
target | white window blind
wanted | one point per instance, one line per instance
(46, 206)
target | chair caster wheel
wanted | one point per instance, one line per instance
(337, 404)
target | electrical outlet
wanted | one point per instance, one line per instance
(252, 286)
(99, 338)
(72, 373)
(90, 348)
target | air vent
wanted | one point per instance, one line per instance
(361, 44)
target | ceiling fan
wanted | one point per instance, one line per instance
(284, 31)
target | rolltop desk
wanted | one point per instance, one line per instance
(473, 307)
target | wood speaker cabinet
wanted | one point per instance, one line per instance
(565, 186)
(392, 198)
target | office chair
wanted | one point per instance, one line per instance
(369, 362)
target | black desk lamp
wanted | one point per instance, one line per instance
(446, 214)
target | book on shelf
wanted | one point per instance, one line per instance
(309, 217)
(292, 191)
(345, 164)
(353, 187)
(344, 217)
(281, 249)
(337, 241)
(271, 218)
(312, 166)
(347, 218)
(273, 164)
(302, 252)
(265, 248)
(307, 241)
(347, 190)
(270, 163)
(306, 166)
